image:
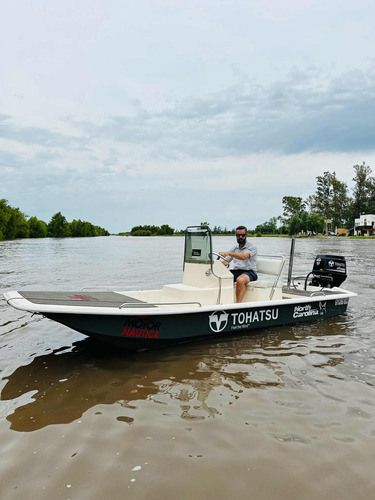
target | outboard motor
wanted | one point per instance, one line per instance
(328, 271)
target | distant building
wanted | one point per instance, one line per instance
(364, 225)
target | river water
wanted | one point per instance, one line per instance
(287, 412)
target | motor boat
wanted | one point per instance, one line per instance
(202, 306)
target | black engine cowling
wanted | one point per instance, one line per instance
(328, 271)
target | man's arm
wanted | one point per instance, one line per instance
(234, 255)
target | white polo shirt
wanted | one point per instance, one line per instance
(247, 264)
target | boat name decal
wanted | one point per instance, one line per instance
(341, 302)
(141, 327)
(218, 320)
(242, 319)
(307, 310)
(138, 332)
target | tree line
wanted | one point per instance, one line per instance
(14, 224)
(148, 230)
(166, 230)
(331, 201)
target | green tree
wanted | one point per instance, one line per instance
(77, 228)
(315, 223)
(363, 190)
(295, 224)
(269, 227)
(292, 205)
(13, 224)
(323, 196)
(340, 202)
(306, 222)
(81, 229)
(283, 229)
(5, 214)
(90, 230)
(220, 230)
(371, 195)
(58, 226)
(37, 228)
(310, 203)
(331, 199)
(165, 230)
(16, 226)
(148, 230)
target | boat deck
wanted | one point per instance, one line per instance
(91, 299)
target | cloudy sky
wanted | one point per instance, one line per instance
(127, 112)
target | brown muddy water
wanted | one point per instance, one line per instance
(284, 413)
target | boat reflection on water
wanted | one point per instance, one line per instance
(192, 382)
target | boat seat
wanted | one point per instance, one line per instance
(267, 285)
(186, 293)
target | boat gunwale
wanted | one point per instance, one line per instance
(19, 302)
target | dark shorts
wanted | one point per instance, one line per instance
(237, 272)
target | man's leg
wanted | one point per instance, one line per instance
(241, 283)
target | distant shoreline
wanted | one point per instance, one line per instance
(319, 236)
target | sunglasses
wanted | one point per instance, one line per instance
(240, 235)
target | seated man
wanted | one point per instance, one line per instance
(244, 256)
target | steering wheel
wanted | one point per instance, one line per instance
(218, 256)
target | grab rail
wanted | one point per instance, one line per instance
(140, 304)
